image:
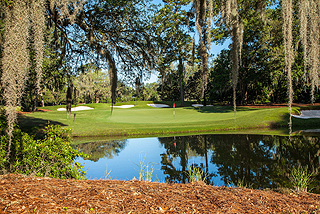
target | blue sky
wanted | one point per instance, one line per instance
(215, 49)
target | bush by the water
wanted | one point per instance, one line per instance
(51, 156)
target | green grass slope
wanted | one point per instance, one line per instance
(145, 120)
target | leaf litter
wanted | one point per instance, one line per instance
(27, 194)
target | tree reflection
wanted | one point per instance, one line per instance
(102, 149)
(292, 152)
(265, 161)
(245, 159)
(182, 148)
(255, 161)
(176, 147)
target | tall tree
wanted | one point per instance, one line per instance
(115, 34)
(173, 23)
(204, 14)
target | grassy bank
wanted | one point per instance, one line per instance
(145, 120)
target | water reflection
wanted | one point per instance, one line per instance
(257, 161)
(102, 149)
(184, 147)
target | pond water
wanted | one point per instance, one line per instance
(257, 161)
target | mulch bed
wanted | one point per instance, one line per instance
(29, 112)
(26, 194)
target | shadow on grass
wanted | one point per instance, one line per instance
(219, 109)
(34, 126)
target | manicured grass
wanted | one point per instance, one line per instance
(145, 120)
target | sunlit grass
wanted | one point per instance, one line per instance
(143, 119)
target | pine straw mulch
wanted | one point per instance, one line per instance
(30, 112)
(26, 194)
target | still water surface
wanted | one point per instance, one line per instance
(257, 161)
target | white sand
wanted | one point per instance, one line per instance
(311, 130)
(199, 105)
(124, 106)
(158, 105)
(307, 114)
(78, 108)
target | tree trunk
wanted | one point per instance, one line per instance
(42, 101)
(181, 81)
(35, 103)
(113, 75)
(69, 102)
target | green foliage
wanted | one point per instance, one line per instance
(195, 174)
(219, 78)
(243, 184)
(300, 178)
(54, 97)
(51, 156)
(193, 87)
(171, 87)
(124, 93)
(174, 41)
(8, 2)
(149, 92)
(93, 85)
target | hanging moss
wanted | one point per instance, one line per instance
(230, 13)
(289, 55)
(309, 15)
(37, 16)
(19, 15)
(15, 60)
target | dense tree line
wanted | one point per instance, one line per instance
(132, 39)
(256, 63)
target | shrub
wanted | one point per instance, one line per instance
(51, 156)
(301, 178)
(195, 174)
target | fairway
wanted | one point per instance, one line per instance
(143, 119)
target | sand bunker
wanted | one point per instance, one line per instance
(124, 106)
(78, 108)
(199, 105)
(307, 114)
(158, 105)
(311, 131)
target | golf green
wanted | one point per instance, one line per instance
(145, 120)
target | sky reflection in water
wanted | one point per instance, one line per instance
(257, 161)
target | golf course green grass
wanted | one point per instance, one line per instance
(145, 120)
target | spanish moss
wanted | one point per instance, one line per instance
(37, 13)
(15, 60)
(314, 46)
(229, 13)
(289, 55)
